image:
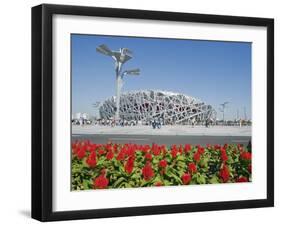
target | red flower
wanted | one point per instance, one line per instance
(148, 156)
(186, 178)
(93, 155)
(224, 156)
(101, 182)
(241, 179)
(201, 150)
(187, 147)
(224, 173)
(115, 147)
(92, 147)
(109, 147)
(174, 152)
(129, 166)
(246, 155)
(217, 146)
(147, 172)
(109, 155)
(91, 162)
(156, 150)
(158, 183)
(121, 155)
(74, 145)
(197, 156)
(180, 149)
(163, 163)
(81, 153)
(130, 150)
(101, 151)
(88, 147)
(192, 168)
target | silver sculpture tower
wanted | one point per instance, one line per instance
(120, 57)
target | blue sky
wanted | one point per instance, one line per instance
(212, 71)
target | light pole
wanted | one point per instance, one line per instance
(245, 114)
(223, 109)
(96, 106)
(120, 57)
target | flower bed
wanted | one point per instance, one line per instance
(101, 166)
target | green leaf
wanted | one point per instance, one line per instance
(214, 180)
(181, 164)
(201, 179)
(167, 183)
(156, 179)
(87, 184)
(180, 158)
(118, 182)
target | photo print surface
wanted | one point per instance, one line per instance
(150, 112)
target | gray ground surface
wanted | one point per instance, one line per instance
(162, 139)
(165, 130)
(166, 135)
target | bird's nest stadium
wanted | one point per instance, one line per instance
(145, 105)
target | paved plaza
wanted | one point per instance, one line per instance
(164, 130)
(165, 135)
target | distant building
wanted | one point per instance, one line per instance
(80, 115)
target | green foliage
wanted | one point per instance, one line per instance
(119, 173)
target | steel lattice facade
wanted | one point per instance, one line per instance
(172, 108)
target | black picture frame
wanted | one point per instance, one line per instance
(42, 111)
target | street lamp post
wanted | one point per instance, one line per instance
(120, 57)
(223, 109)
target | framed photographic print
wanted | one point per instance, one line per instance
(145, 112)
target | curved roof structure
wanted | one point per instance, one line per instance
(144, 105)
